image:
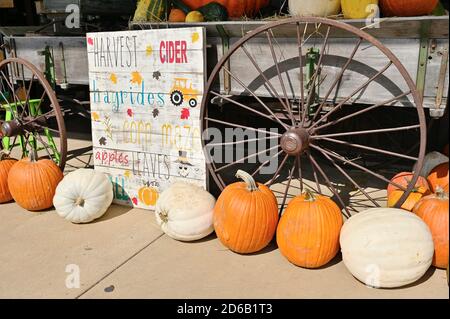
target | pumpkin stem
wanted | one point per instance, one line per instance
(248, 179)
(164, 216)
(79, 202)
(440, 193)
(309, 196)
(33, 155)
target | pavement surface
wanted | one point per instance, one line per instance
(125, 255)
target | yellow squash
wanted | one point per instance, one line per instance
(358, 9)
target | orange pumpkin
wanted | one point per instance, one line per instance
(439, 177)
(246, 215)
(308, 232)
(177, 15)
(5, 165)
(33, 183)
(404, 179)
(148, 195)
(414, 197)
(407, 8)
(236, 8)
(433, 210)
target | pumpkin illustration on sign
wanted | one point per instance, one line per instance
(148, 195)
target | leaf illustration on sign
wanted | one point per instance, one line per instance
(95, 116)
(135, 201)
(130, 112)
(90, 41)
(195, 37)
(149, 50)
(136, 78)
(102, 141)
(113, 78)
(155, 113)
(185, 114)
(156, 75)
(127, 174)
(108, 126)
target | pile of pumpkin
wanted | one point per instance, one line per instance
(382, 247)
(220, 10)
(38, 184)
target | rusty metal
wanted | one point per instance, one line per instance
(23, 123)
(308, 130)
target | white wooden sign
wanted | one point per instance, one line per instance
(146, 89)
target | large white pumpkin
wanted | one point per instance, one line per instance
(185, 212)
(83, 196)
(319, 8)
(386, 247)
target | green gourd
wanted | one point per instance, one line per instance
(211, 12)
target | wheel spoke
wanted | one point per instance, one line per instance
(300, 173)
(343, 172)
(278, 171)
(327, 180)
(373, 149)
(367, 109)
(244, 159)
(316, 177)
(345, 161)
(45, 115)
(273, 91)
(242, 126)
(280, 78)
(46, 146)
(242, 141)
(291, 174)
(338, 78)
(363, 86)
(265, 163)
(316, 74)
(383, 130)
(300, 60)
(27, 101)
(273, 118)
(13, 93)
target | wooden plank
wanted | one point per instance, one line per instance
(142, 134)
(6, 4)
(395, 27)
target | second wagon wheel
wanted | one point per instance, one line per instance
(322, 111)
(33, 120)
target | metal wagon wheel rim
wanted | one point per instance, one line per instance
(28, 129)
(297, 128)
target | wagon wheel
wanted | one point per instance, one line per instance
(305, 129)
(33, 120)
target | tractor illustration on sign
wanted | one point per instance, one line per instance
(181, 92)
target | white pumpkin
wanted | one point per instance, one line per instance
(318, 8)
(185, 212)
(83, 196)
(386, 247)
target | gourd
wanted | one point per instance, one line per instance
(386, 247)
(235, 8)
(83, 196)
(246, 215)
(434, 211)
(308, 232)
(195, 16)
(320, 8)
(177, 15)
(185, 212)
(211, 11)
(150, 10)
(439, 177)
(33, 182)
(5, 165)
(407, 8)
(358, 9)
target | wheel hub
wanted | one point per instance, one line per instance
(295, 141)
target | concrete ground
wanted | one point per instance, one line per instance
(125, 255)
